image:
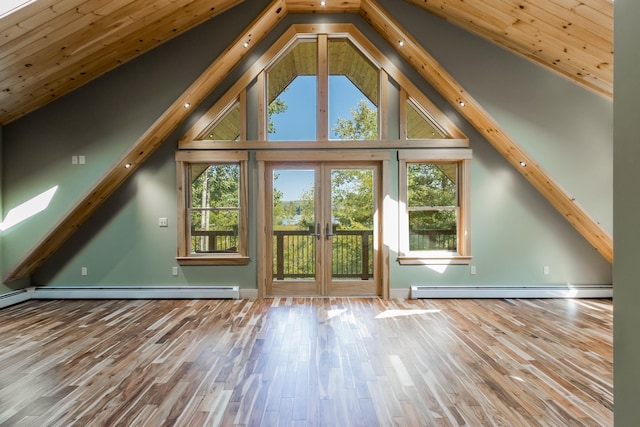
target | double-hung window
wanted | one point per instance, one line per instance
(434, 206)
(212, 192)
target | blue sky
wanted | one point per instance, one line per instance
(293, 183)
(298, 122)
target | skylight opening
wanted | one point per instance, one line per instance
(7, 7)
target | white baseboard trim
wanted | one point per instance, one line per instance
(248, 294)
(400, 293)
(136, 292)
(548, 291)
(234, 292)
(15, 297)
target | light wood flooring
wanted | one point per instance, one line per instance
(307, 362)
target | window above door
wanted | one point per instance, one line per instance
(330, 89)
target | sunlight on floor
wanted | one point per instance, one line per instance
(399, 313)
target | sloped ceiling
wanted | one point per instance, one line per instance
(51, 47)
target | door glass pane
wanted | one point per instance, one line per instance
(292, 93)
(352, 211)
(294, 243)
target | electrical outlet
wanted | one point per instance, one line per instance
(545, 269)
(472, 269)
(74, 160)
(163, 222)
(174, 271)
(83, 271)
(81, 160)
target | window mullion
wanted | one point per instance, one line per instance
(322, 118)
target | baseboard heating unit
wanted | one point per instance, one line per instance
(137, 292)
(549, 291)
(15, 297)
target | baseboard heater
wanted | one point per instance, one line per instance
(15, 297)
(551, 291)
(137, 292)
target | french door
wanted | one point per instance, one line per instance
(321, 222)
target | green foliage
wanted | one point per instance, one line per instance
(215, 203)
(216, 186)
(363, 124)
(432, 187)
(277, 106)
(352, 198)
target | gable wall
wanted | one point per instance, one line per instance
(514, 230)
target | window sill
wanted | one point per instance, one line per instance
(233, 259)
(448, 259)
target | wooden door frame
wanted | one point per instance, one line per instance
(332, 156)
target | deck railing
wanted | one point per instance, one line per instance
(295, 250)
(214, 241)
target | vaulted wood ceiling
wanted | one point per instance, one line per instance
(52, 47)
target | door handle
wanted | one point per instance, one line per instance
(326, 232)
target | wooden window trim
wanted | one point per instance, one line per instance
(183, 160)
(463, 253)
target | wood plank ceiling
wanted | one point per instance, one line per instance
(51, 47)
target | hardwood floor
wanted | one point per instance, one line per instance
(304, 361)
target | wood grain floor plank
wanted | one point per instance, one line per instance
(307, 361)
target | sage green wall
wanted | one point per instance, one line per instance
(626, 292)
(3, 288)
(515, 232)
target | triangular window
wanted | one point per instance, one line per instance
(419, 124)
(227, 127)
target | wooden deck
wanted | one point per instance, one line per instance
(304, 361)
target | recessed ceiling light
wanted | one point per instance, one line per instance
(462, 104)
(187, 105)
(523, 164)
(245, 44)
(401, 43)
(127, 166)
(323, 3)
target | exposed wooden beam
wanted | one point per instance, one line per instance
(149, 141)
(468, 107)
